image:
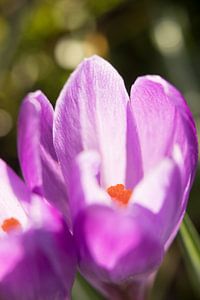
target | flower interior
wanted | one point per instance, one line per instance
(10, 224)
(119, 193)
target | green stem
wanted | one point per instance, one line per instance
(134, 291)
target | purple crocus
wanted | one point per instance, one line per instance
(37, 253)
(128, 164)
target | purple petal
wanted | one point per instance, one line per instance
(90, 114)
(12, 189)
(11, 253)
(164, 123)
(114, 247)
(36, 151)
(41, 261)
(160, 192)
(84, 187)
(163, 119)
(134, 168)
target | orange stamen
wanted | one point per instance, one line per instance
(10, 224)
(119, 193)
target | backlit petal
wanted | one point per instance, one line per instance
(160, 192)
(36, 151)
(39, 263)
(90, 114)
(163, 119)
(14, 196)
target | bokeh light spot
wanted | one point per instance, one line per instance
(6, 123)
(70, 52)
(167, 36)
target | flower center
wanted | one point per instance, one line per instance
(119, 193)
(10, 224)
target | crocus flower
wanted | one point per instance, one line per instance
(129, 185)
(37, 254)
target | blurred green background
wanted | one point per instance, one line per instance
(42, 41)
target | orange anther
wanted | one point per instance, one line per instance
(10, 224)
(119, 193)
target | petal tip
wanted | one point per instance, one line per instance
(94, 58)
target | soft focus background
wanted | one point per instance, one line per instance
(42, 41)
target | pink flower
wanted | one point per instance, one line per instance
(128, 165)
(37, 253)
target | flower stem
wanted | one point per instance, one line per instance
(135, 291)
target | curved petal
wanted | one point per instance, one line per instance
(159, 193)
(163, 119)
(29, 135)
(114, 248)
(14, 196)
(90, 114)
(42, 261)
(134, 168)
(11, 253)
(83, 186)
(36, 151)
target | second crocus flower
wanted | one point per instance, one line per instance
(37, 253)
